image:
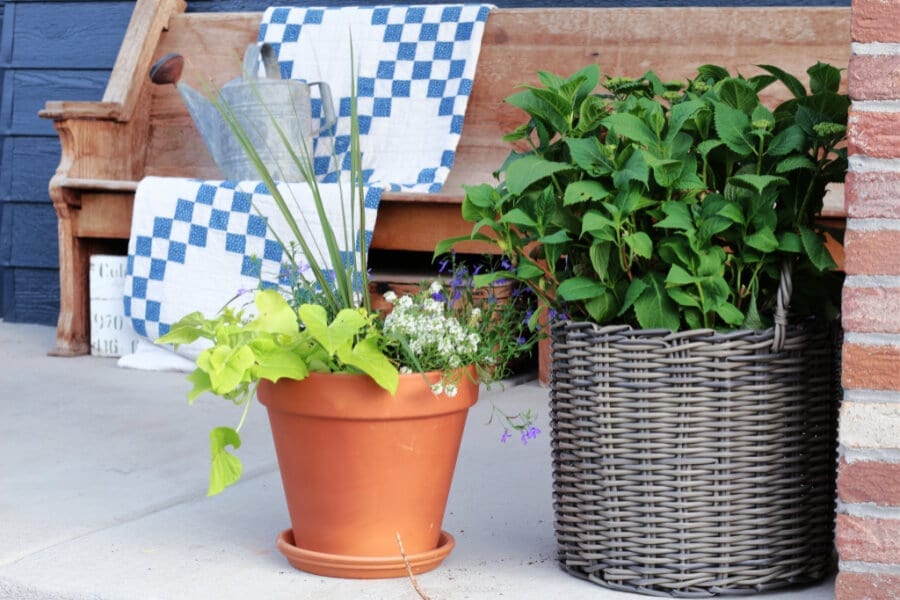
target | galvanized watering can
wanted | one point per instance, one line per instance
(258, 103)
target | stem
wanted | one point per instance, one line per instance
(759, 155)
(702, 305)
(247, 403)
(801, 211)
(739, 272)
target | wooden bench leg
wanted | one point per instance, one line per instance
(73, 327)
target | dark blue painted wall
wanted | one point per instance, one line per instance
(63, 50)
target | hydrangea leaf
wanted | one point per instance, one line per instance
(653, 308)
(525, 171)
(580, 288)
(640, 243)
(733, 126)
(816, 250)
(584, 191)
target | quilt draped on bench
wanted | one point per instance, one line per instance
(195, 244)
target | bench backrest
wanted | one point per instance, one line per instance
(517, 43)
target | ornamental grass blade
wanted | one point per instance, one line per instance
(337, 286)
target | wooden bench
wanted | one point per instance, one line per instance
(141, 129)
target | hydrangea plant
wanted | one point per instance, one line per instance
(668, 205)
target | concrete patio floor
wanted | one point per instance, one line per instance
(102, 496)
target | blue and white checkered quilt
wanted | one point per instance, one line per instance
(196, 244)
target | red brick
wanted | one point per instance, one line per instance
(874, 77)
(875, 21)
(872, 195)
(871, 310)
(876, 482)
(874, 134)
(868, 540)
(872, 252)
(870, 367)
(866, 586)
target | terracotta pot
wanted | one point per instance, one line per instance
(360, 466)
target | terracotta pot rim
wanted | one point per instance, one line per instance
(429, 375)
(358, 397)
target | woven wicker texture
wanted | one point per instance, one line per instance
(693, 464)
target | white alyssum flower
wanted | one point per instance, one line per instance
(433, 334)
(390, 296)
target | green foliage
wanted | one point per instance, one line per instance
(324, 322)
(279, 342)
(668, 205)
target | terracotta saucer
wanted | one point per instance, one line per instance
(362, 567)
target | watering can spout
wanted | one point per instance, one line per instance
(268, 109)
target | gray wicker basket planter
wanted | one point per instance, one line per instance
(694, 464)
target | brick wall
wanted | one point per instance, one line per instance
(868, 523)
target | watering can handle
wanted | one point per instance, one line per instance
(327, 106)
(264, 53)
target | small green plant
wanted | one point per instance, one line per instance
(668, 205)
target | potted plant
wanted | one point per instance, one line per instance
(669, 230)
(367, 409)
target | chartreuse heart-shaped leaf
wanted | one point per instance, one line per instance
(370, 359)
(332, 336)
(227, 367)
(275, 315)
(225, 468)
(201, 382)
(277, 360)
(189, 329)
